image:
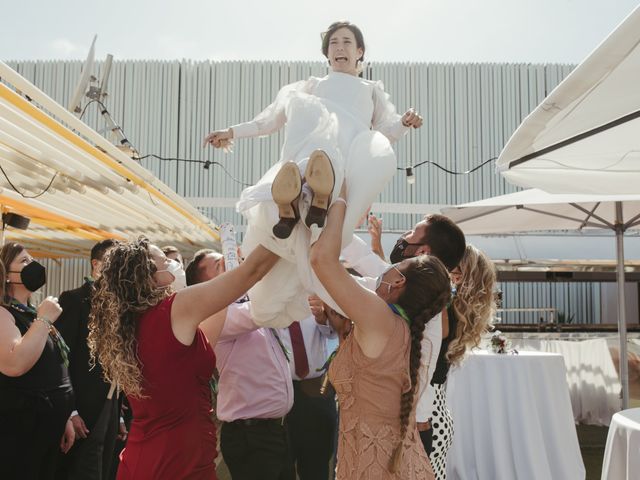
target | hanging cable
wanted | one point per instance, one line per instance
(205, 163)
(411, 178)
(23, 195)
(446, 170)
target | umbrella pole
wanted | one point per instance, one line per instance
(622, 320)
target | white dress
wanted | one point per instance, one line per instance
(354, 122)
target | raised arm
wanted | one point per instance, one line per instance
(196, 303)
(389, 122)
(368, 311)
(19, 353)
(270, 120)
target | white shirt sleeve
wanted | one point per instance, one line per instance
(360, 257)
(326, 331)
(385, 118)
(272, 118)
(431, 342)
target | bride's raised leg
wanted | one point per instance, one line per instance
(320, 178)
(285, 190)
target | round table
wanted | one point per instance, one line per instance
(512, 419)
(622, 453)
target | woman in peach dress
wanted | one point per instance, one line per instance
(375, 370)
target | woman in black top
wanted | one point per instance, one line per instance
(463, 323)
(35, 390)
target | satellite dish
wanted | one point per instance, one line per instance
(83, 83)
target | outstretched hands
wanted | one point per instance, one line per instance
(412, 119)
(375, 232)
(219, 139)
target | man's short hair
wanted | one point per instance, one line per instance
(170, 249)
(100, 248)
(445, 240)
(193, 272)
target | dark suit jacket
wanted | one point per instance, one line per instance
(89, 387)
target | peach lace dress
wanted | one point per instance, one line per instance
(369, 391)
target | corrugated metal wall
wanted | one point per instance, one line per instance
(470, 110)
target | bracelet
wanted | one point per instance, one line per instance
(46, 321)
(338, 200)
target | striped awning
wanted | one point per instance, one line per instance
(76, 187)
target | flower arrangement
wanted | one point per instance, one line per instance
(499, 342)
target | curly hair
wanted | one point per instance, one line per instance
(427, 292)
(474, 304)
(123, 292)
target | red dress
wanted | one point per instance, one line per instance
(172, 435)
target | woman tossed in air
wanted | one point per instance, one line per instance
(337, 127)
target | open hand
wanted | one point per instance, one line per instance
(375, 231)
(375, 228)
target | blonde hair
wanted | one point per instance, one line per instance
(124, 291)
(474, 304)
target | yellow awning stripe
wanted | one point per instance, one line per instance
(56, 127)
(44, 217)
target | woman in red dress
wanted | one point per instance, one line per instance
(148, 342)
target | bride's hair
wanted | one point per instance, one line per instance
(335, 26)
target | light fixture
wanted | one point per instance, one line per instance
(411, 178)
(13, 220)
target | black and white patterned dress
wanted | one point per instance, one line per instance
(441, 420)
(442, 424)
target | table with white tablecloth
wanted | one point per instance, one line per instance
(512, 419)
(622, 453)
(594, 387)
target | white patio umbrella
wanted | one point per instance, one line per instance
(535, 210)
(585, 136)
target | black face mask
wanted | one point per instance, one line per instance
(33, 276)
(397, 254)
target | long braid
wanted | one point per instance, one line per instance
(433, 278)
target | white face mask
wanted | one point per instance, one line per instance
(177, 272)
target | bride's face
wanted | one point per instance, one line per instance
(343, 52)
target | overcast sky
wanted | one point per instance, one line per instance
(536, 31)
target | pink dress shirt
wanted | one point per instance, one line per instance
(255, 380)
